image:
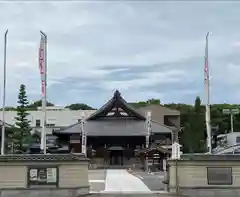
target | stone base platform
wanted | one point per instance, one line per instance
(63, 192)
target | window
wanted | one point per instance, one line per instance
(51, 119)
(38, 123)
(50, 125)
(238, 139)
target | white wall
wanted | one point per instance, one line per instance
(231, 138)
(61, 118)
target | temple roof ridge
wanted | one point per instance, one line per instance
(116, 101)
(117, 93)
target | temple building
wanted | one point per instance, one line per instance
(117, 131)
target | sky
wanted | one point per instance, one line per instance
(145, 49)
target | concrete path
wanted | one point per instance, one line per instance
(122, 181)
(97, 180)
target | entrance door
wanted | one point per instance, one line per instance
(116, 155)
(116, 158)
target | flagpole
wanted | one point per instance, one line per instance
(4, 94)
(44, 99)
(207, 92)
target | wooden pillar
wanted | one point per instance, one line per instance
(122, 157)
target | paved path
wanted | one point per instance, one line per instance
(154, 181)
(97, 180)
(122, 181)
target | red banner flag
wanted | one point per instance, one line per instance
(42, 64)
(206, 69)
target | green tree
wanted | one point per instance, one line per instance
(153, 101)
(193, 135)
(21, 135)
(78, 106)
(146, 103)
(36, 137)
(37, 104)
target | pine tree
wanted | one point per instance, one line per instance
(194, 130)
(22, 134)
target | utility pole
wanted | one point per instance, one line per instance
(232, 112)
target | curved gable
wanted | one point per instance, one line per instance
(116, 107)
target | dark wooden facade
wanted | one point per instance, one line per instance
(153, 157)
(115, 133)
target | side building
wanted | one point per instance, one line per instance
(57, 118)
(117, 131)
(7, 128)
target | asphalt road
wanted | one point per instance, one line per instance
(153, 181)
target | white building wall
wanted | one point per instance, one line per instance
(60, 117)
(232, 138)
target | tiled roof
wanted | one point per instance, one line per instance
(114, 128)
(158, 148)
(208, 157)
(42, 157)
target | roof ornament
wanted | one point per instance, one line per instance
(117, 93)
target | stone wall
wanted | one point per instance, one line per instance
(73, 175)
(13, 176)
(210, 192)
(70, 179)
(191, 177)
(45, 192)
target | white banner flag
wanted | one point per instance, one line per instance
(207, 94)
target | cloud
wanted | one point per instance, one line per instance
(144, 49)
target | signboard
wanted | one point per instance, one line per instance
(42, 176)
(175, 151)
(150, 162)
(75, 139)
(226, 111)
(231, 111)
(84, 150)
(33, 173)
(235, 111)
(84, 139)
(219, 175)
(148, 125)
(51, 175)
